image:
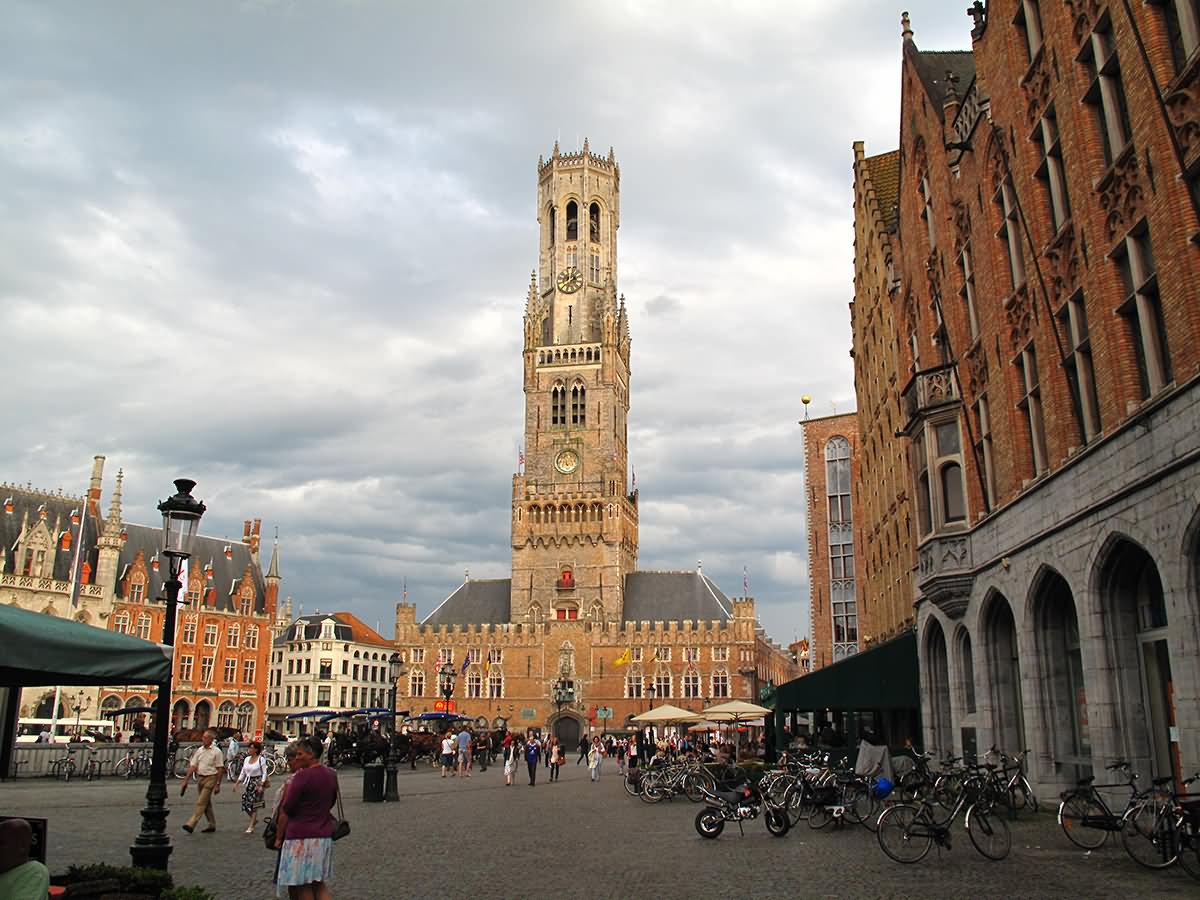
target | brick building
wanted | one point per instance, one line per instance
(223, 632)
(576, 613)
(1044, 271)
(831, 477)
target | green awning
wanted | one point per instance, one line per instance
(40, 649)
(884, 677)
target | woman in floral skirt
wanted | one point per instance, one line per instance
(254, 776)
(305, 826)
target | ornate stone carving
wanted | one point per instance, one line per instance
(962, 225)
(977, 367)
(1083, 16)
(1122, 196)
(1037, 86)
(1018, 314)
(1183, 109)
(1062, 260)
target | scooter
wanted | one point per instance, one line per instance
(736, 805)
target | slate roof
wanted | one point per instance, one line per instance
(673, 597)
(347, 627)
(474, 602)
(58, 509)
(884, 172)
(649, 597)
(932, 65)
(226, 572)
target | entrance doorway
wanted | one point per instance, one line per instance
(566, 729)
(203, 714)
(1004, 670)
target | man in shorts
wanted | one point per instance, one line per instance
(464, 752)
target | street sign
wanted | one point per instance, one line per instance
(604, 712)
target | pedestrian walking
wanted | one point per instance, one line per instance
(621, 755)
(533, 752)
(584, 746)
(512, 753)
(554, 753)
(254, 776)
(305, 825)
(448, 753)
(594, 755)
(464, 752)
(207, 766)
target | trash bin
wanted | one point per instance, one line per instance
(373, 783)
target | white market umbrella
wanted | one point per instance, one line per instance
(666, 715)
(735, 711)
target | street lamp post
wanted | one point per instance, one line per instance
(446, 676)
(651, 691)
(181, 517)
(562, 693)
(396, 671)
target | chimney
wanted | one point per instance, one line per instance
(229, 551)
(154, 562)
(246, 531)
(8, 505)
(255, 538)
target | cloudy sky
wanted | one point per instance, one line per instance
(283, 248)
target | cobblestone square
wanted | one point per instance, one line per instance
(454, 838)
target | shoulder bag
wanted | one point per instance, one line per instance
(341, 827)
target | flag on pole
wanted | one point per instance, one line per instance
(466, 662)
(520, 457)
(635, 479)
(655, 657)
(623, 659)
(487, 663)
(745, 582)
(405, 590)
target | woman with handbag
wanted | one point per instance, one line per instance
(253, 775)
(305, 826)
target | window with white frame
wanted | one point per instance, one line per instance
(691, 684)
(206, 669)
(185, 668)
(720, 684)
(691, 654)
(189, 631)
(143, 626)
(252, 637)
(633, 683)
(230, 669)
(662, 685)
(417, 655)
(232, 634)
(475, 655)
(495, 683)
(210, 634)
(635, 654)
(474, 683)
(720, 654)
(495, 656)
(416, 683)
(248, 671)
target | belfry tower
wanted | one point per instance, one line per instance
(574, 524)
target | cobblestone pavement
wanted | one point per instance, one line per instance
(454, 838)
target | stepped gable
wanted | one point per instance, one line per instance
(674, 597)
(475, 602)
(25, 509)
(226, 573)
(884, 172)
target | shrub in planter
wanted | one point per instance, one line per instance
(150, 882)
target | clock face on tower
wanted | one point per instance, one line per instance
(570, 280)
(567, 461)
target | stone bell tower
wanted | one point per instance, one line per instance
(574, 524)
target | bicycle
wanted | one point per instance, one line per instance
(906, 833)
(1086, 819)
(1012, 787)
(133, 764)
(63, 767)
(1151, 830)
(94, 767)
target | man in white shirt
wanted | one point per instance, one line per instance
(208, 766)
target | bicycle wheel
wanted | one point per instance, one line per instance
(121, 769)
(794, 805)
(820, 816)
(913, 786)
(1031, 800)
(68, 769)
(1074, 813)
(866, 808)
(988, 833)
(1148, 835)
(181, 767)
(903, 835)
(692, 782)
(946, 790)
(1189, 849)
(632, 785)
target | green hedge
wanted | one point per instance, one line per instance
(152, 882)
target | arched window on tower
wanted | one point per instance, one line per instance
(558, 405)
(594, 222)
(572, 221)
(553, 224)
(578, 404)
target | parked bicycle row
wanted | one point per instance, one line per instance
(1159, 826)
(83, 761)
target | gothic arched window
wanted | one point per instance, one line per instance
(553, 224)
(558, 405)
(578, 404)
(594, 222)
(572, 221)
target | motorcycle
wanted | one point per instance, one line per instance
(737, 805)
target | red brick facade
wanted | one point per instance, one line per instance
(831, 478)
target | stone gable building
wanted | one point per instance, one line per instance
(576, 612)
(1045, 325)
(224, 631)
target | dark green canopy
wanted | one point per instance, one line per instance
(40, 649)
(884, 677)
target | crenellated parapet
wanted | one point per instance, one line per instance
(578, 159)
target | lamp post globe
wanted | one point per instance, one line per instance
(396, 671)
(181, 515)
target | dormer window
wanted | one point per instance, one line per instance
(572, 221)
(137, 590)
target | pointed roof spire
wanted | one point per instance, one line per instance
(273, 569)
(612, 156)
(585, 146)
(554, 155)
(114, 507)
(906, 31)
